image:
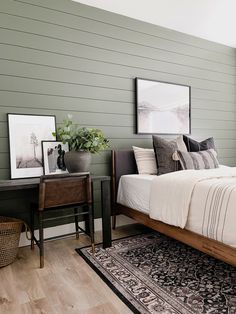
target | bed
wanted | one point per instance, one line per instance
(135, 198)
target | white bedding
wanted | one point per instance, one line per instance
(203, 201)
(134, 191)
(213, 210)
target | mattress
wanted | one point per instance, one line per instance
(134, 191)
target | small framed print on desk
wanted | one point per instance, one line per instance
(53, 157)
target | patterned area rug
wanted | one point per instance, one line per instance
(152, 273)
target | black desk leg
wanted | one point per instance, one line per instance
(106, 213)
(86, 224)
(86, 219)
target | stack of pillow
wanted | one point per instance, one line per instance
(180, 153)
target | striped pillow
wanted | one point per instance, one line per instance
(145, 160)
(198, 160)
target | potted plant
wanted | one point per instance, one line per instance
(82, 143)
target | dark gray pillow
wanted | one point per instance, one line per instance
(206, 159)
(164, 150)
(195, 146)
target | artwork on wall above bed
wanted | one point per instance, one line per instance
(162, 108)
(26, 132)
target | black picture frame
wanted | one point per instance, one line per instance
(57, 169)
(143, 128)
(21, 129)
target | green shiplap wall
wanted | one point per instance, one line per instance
(59, 57)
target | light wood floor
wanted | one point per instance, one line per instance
(65, 285)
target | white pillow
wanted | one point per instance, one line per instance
(145, 160)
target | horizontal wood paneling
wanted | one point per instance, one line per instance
(60, 57)
(53, 60)
(122, 22)
(78, 50)
(109, 42)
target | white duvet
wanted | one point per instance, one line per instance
(204, 198)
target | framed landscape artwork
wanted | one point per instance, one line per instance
(162, 108)
(53, 157)
(25, 135)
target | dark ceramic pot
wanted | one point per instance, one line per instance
(78, 161)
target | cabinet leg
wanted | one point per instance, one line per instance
(41, 239)
(32, 227)
(91, 227)
(76, 223)
(106, 214)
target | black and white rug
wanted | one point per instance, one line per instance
(152, 273)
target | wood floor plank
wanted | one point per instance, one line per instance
(65, 285)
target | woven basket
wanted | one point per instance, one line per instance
(10, 230)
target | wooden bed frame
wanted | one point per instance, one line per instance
(123, 162)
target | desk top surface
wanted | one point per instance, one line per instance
(32, 183)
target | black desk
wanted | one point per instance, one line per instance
(24, 184)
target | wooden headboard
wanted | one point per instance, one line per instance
(123, 162)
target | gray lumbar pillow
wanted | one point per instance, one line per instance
(164, 151)
(205, 159)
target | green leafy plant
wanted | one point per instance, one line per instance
(85, 139)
